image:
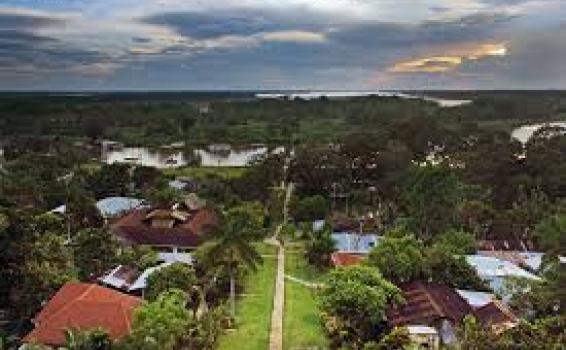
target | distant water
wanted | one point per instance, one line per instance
(349, 94)
(525, 132)
(161, 158)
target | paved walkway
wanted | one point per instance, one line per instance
(276, 334)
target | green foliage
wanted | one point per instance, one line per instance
(443, 267)
(472, 335)
(94, 252)
(145, 177)
(397, 339)
(48, 266)
(248, 217)
(432, 194)
(399, 259)
(544, 333)
(175, 276)
(540, 298)
(406, 259)
(309, 208)
(94, 339)
(81, 210)
(232, 247)
(353, 305)
(160, 324)
(163, 197)
(551, 234)
(456, 242)
(165, 324)
(110, 180)
(319, 248)
(138, 256)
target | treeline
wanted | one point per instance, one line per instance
(161, 118)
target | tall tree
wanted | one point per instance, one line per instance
(432, 194)
(95, 251)
(232, 247)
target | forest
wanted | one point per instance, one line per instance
(433, 182)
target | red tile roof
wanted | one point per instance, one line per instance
(345, 259)
(426, 303)
(135, 229)
(83, 306)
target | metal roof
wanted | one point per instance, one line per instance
(109, 207)
(488, 266)
(355, 243)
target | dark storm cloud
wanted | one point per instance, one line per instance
(475, 27)
(22, 48)
(203, 26)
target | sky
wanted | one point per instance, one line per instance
(282, 44)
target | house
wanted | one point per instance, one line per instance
(444, 308)
(352, 247)
(170, 231)
(496, 271)
(129, 279)
(354, 243)
(83, 306)
(109, 208)
(432, 305)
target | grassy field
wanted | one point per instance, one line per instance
(253, 313)
(203, 172)
(302, 328)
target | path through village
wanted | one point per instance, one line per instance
(276, 331)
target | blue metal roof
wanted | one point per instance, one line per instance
(110, 206)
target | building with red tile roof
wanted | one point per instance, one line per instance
(83, 306)
(170, 228)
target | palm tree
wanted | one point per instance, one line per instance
(233, 248)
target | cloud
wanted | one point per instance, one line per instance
(304, 43)
(296, 36)
(449, 60)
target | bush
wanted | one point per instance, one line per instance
(399, 259)
(353, 305)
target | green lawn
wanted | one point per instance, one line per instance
(253, 313)
(199, 172)
(302, 328)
